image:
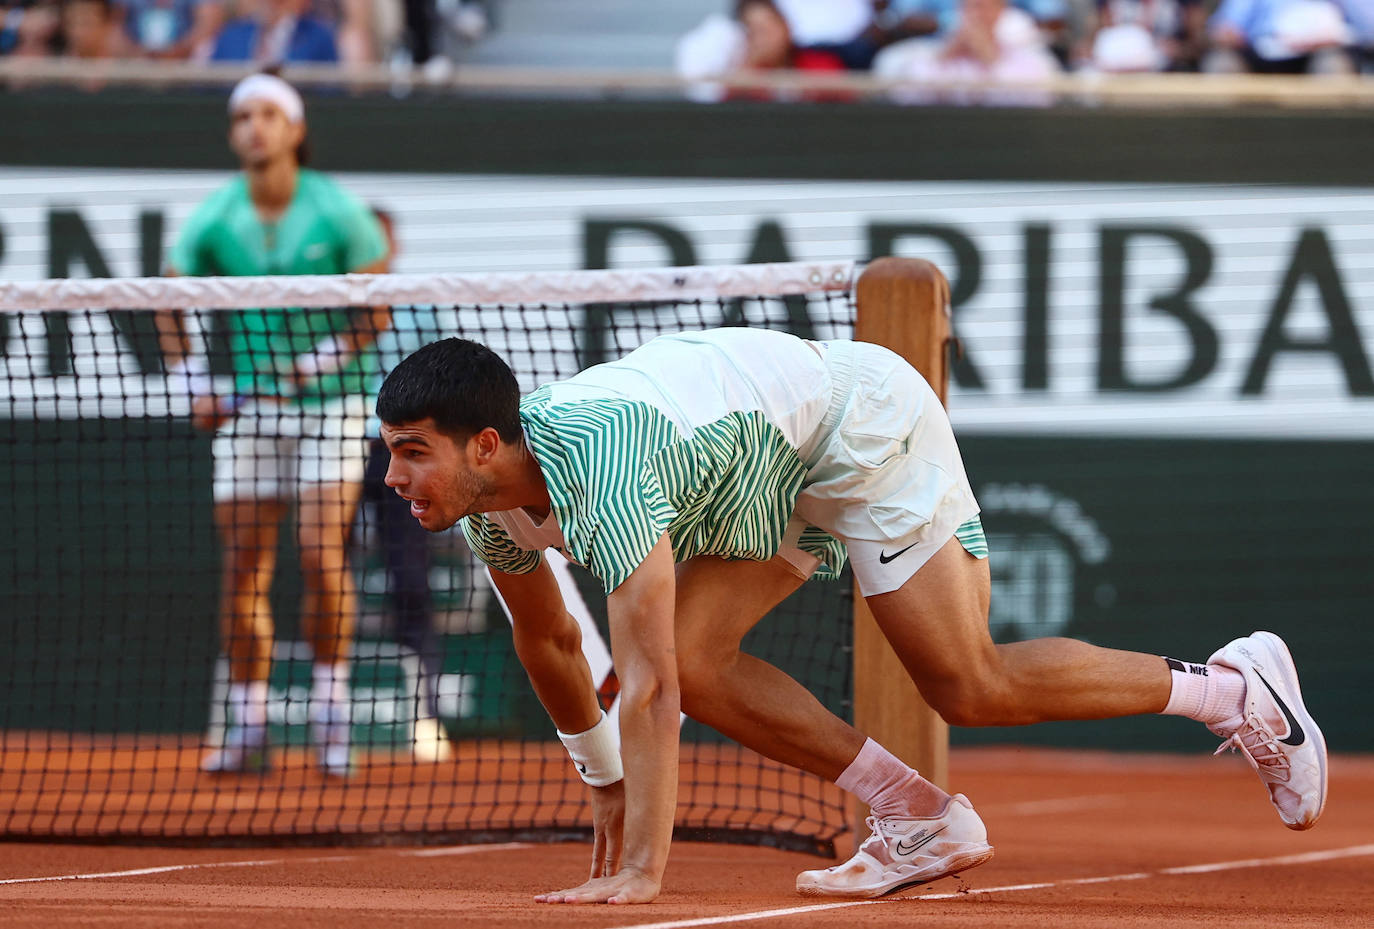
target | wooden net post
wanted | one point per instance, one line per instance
(903, 304)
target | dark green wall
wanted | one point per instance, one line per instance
(107, 575)
(856, 141)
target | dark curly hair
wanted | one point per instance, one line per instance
(462, 385)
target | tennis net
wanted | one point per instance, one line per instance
(115, 686)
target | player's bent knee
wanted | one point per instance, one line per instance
(971, 701)
(966, 714)
(700, 684)
(695, 675)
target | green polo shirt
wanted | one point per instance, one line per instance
(324, 230)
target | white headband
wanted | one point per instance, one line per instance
(272, 89)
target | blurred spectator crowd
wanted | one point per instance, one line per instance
(932, 43)
(268, 32)
(1010, 41)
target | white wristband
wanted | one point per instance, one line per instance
(327, 357)
(596, 753)
(191, 375)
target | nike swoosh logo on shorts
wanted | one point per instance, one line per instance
(903, 849)
(884, 557)
(1295, 734)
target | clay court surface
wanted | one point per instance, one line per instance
(1082, 840)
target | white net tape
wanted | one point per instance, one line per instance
(574, 287)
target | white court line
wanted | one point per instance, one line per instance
(1304, 858)
(1133, 876)
(745, 917)
(261, 863)
(134, 872)
(1005, 888)
(461, 850)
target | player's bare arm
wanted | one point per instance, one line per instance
(192, 372)
(371, 322)
(549, 645)
(375, 320)
(641, 620)
(171, 331)
(548, 642)
(366, 325)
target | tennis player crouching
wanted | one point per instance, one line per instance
(702, 478)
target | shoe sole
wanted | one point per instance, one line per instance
(960, 863)
(1288, 674)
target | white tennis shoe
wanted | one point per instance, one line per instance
(243, 751)
(1275, 732)
(905, 852)
(429, 742)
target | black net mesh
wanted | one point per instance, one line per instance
(115, 676)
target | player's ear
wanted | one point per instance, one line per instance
(485, 445)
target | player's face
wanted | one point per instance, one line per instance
(433, 471)
(260, 134)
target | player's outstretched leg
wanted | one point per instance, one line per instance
(1248, 693)
(1274, 731)
(903, 852)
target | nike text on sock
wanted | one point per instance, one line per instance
(1209, 694)
(1184, 667)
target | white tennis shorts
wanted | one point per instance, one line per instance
(271, 452)
(884, 472)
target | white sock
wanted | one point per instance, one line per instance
(1209, 693)
(888, 785)
(248, 703)
(330, 683)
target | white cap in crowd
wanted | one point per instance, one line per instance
(1126, 47)
(713, 49)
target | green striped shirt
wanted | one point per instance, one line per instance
(620, 474)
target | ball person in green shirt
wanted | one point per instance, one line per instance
(701, 479)
(292, 430)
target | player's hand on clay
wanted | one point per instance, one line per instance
(608, 819)
(628, 886)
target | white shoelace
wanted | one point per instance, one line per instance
(1257, 742)
(875, 826)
